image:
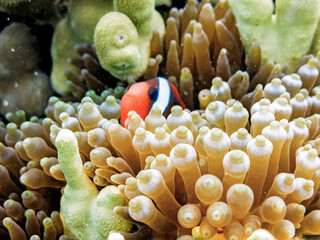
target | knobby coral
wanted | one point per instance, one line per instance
(285, 36)
(77, 27)
(200, 44)
(87, 211)
(122, 38)
(131, 25)
(165, 60)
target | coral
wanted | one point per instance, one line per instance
(82, 23)
(11, 48)
(61, 49)
(167, 3)
(165, 57)
(168, 58)
(122, 38)
(285, 36)
(88, 213)
(20, 76)
(77, 27)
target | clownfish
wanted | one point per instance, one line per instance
(143, 96)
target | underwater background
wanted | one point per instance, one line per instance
(159, 119)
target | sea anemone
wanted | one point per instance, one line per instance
(33, 210)
(164, 168)
(93, 77)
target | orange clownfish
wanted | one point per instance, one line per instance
(142, 96)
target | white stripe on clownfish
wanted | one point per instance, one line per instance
(164, 94)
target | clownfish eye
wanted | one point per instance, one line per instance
(153, 93)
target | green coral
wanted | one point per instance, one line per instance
(88, 213)
(167, 3)
(122, 38)
(83, 17)
(77, 27)
(285, 36)
(62, 49)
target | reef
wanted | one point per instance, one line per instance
(131, 22)
(241, 162)
(88, 212)
(285, 36)
(77, 27)
(122, 38)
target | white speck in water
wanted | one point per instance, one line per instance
(12, 50)
(8, 19)
(16, 84)
(5, 103)
(35, 73)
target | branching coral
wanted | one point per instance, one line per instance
(77, 27)
(285, 36)
(88, 213)
(165, 60)
(122, 38)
